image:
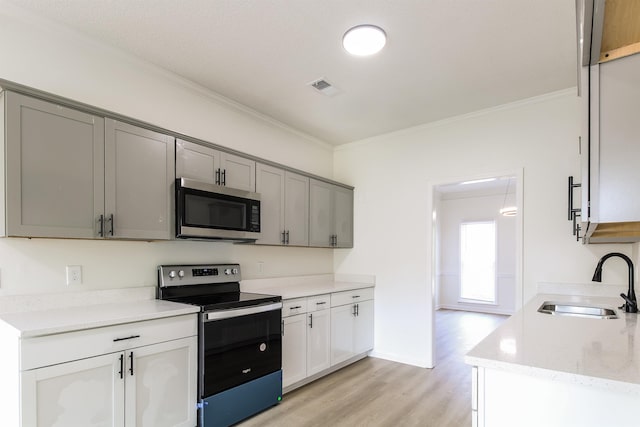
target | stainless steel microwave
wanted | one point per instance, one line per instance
(208, 211)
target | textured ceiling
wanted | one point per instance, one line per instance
(443, 57)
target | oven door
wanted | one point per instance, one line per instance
(239, 345)
(207, 211)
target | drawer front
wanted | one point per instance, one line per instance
(59, 348)
(291, 307)
(353, 296)
(319, 302)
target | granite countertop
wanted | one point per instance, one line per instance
(60, 320)
(602, 352)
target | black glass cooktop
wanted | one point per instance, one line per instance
(227, 300)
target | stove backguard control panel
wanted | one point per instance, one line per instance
(181, 275)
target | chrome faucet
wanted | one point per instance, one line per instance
(630, 305)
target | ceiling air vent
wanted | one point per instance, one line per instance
(324, 87)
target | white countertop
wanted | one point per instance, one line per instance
(602, 352)
(304, 286)
(54, 321)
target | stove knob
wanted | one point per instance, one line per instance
(227, 271)
(172, 274)
(181, 273)
(235, 271)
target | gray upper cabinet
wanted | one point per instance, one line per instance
(284, 205)
(343, 217)
(70, 176)
(54, 169)
(139, 179)
(331, 215)
(212, 166)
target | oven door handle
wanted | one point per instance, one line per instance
(237, 312)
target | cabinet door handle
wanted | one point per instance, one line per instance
(218, 176)
(131, 363)
(311, 320)
(357, 309)
(121, 372)
(287, 237)
(283, 239)
(354, 310)
(356, 296)
(295, 307)
(126, 338)
(224, 177)
(101, 229)
(321, 303)
(112, 225)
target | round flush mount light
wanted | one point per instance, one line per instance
(364, 40)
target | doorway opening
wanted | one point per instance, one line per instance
(477, 246)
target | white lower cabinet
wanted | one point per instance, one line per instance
(351, 324)
(318, 336)
(294, 349)
(145, 384)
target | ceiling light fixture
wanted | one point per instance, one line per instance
(364, 40)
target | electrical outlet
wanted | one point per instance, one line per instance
(74, 274)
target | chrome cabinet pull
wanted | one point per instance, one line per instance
(311, 320)
(354, 310)
(356, 296)
(218, 176)
(357, 309)
(131, 363)
(283, 240)
(101, 229)
(287, 239)
(224, 177)
(321, 302)
(295, 307)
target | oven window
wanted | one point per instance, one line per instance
(241, 349)
(200, 211)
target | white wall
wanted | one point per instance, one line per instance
(453, 212)
(393, 230)
(40, 54)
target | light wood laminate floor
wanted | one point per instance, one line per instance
(377, 392)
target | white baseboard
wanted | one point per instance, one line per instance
(405, 360)
(476, 309)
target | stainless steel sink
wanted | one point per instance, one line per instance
(579, 310)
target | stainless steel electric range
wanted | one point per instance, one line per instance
(240, 340)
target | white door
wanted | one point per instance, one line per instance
(238, 172)
(294, 349)
(55, 169)
(161, 384)
(87, 393)
(364, 328)
(297, 209)
(343, 217)
(197, 162)
(270, 186)
(139, 175)
(320, 213)
(318, 341)
(342, 330)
